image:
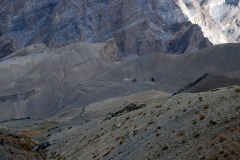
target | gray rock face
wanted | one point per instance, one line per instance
(138, 26)
(219, 19)
(17, 97)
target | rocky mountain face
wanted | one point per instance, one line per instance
(219, 19)
(138, 26)
(105, 97)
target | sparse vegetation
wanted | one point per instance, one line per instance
(107, 153)
(206, 106)
(135, 132)
(213, 122)
(181, 133)
(237, 90)
(238, 108)
(221, 139)
(197, 135)
(225, 154)
(44, 126)
(165, 147)
(232, 152)
(151, 122)
(122, 132)
(202, 117)
(158, 106)
(194, 122)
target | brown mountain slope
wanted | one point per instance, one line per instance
(16, 146)
(192, 126)
(39, 82)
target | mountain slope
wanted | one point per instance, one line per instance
(198, 126)
(17, 146)
(40, 82)
(208, 82)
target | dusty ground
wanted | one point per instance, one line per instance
(40, 82)
(76, 101)
(198, 126)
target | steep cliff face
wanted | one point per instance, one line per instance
(138, 26)
(219, 19)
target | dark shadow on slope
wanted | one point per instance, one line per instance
(207, 82)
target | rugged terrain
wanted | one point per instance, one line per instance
(87, 106)
(118, 79)
(39, 82)
(17, 146)
(218, 19)
(201, 126)
(198, 125)
(138, 26)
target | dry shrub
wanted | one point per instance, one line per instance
(202, 117)
(165, 148)
(206, 106)
(237, 90)
(181, 133)
(221, 139)
(107, 153)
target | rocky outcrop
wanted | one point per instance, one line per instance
(17, 97)
(110, 51)
(129, 108)
(7, 46)
(219, 19)
(138, 26)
